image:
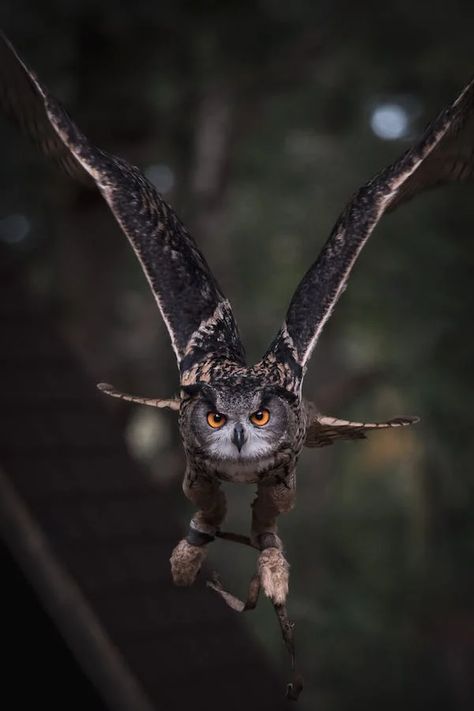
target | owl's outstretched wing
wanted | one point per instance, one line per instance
(322, 430)
(21, 102)
(198, 317)
(445, 153)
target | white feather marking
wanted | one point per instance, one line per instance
(397, 182)
(108, 193)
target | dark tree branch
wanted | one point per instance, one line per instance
(295, 686)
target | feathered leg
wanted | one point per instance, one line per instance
(273, 568)
(187, 558)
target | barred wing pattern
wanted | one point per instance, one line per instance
(170, 403)
(322, 431)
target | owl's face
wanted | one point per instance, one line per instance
(242, 426)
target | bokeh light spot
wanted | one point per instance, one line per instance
(14, 228)
(389, 121)
(161, 176)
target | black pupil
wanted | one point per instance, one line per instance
(259, 415)
(217, 417)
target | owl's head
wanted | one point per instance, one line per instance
(242, 424)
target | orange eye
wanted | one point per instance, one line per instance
(215, 420)
(260, 418)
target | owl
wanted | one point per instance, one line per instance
(239, 423)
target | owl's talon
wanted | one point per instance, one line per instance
(273, 570)
(186, 561)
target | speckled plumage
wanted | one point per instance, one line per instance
(214, 375)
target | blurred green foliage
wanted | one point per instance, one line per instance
(381, 542)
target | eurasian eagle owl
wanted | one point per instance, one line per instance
(238, 423)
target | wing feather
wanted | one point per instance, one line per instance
(198, 317)
(445, 153)
(21, 102)
(172, 403)
(322, 431)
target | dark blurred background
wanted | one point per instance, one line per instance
(257, 121)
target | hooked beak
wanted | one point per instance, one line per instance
(238, 436)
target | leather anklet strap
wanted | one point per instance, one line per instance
(198, 538)
(268, 540)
